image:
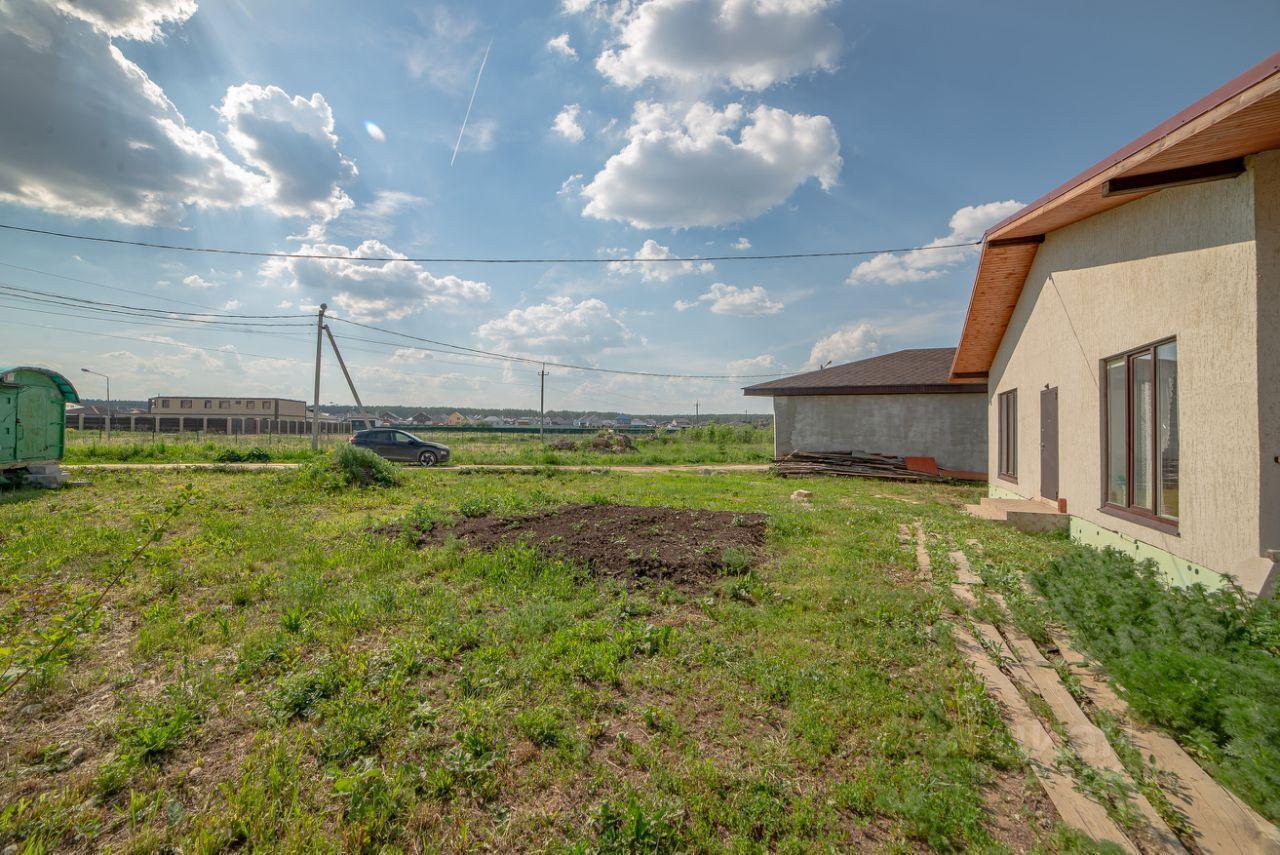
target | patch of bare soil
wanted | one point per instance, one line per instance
(682, 546)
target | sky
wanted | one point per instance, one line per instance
(599, 129)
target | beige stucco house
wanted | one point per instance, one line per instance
(1128, 327)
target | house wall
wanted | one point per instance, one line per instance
(949, 428)
(1181, 262)
(1266, 205)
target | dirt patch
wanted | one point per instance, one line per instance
(682, 546)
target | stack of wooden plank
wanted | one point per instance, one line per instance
(850, 463)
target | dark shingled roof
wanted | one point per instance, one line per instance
(919, 371)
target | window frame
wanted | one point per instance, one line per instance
(1007, 436)
(1142, 516)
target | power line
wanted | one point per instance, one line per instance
(168, 314)
(567, 365)
(139, 323)
(783, 256)
(161, 343)
(107, 287)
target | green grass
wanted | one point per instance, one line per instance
(275, 676)
(707, 444)
(1203, 665)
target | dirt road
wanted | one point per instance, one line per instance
(250, 467)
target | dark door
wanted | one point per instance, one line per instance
(1049, 443)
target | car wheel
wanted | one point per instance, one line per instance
(427, 458)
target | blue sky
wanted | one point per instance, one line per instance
(599, 129)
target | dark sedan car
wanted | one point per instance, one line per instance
(401, 445)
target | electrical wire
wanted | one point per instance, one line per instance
(107, 287)
(550, 362)
(161, 343)
(784, 256)
(172, 314)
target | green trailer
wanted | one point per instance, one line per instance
(33, 416)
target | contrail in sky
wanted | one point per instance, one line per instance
(474, 89)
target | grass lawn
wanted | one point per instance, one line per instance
(709, 444)
(285, 671)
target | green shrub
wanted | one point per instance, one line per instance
(1203, 664)
(349, 466)
(235, 455)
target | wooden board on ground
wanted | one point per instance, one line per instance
(1073, 807)
(1221, 822)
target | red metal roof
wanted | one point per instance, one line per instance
(1239, 118)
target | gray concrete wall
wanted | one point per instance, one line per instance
(949, 428)
(1181, 262)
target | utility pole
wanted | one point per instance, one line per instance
(696, 405)
(343, 366)
(542, 404)
(108, 379)
(315, 414)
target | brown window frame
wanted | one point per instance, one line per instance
(1007, 435)
(1139, 515)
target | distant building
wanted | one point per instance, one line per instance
(455, 419)
(901, 403)
(276, 408)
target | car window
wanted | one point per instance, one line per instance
(404, 439)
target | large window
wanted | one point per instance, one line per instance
(1140, 433)
(1008, 435)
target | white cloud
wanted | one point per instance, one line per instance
(967, 226)
(687, 170)
(442, 49)
(560, 44)
(372, 219)
(845, 345)
(146, 165)
(571, 186)
(231, 305)
(409, 355)
(658, 271)
(566, 123)
(129, 19)
(291, 141)
(741, 244)
(559, 327)
(748, 44)
(480, 135)
(732, 300)
(370, 291)
(195, 280)
(761, 364)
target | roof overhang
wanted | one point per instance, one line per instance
(1204, 142)
(919, 389)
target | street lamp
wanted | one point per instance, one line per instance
(108, 379)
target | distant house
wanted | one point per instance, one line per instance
(623, 421)
(585, 422)
(1127, 324)
(901, 403)
(492, 421)
(455, 419)
(389, 418)
(421, 418)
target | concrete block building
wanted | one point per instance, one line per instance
(901, 403)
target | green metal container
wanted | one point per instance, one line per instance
(33, 415)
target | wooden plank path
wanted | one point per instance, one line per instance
(1013, 669)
